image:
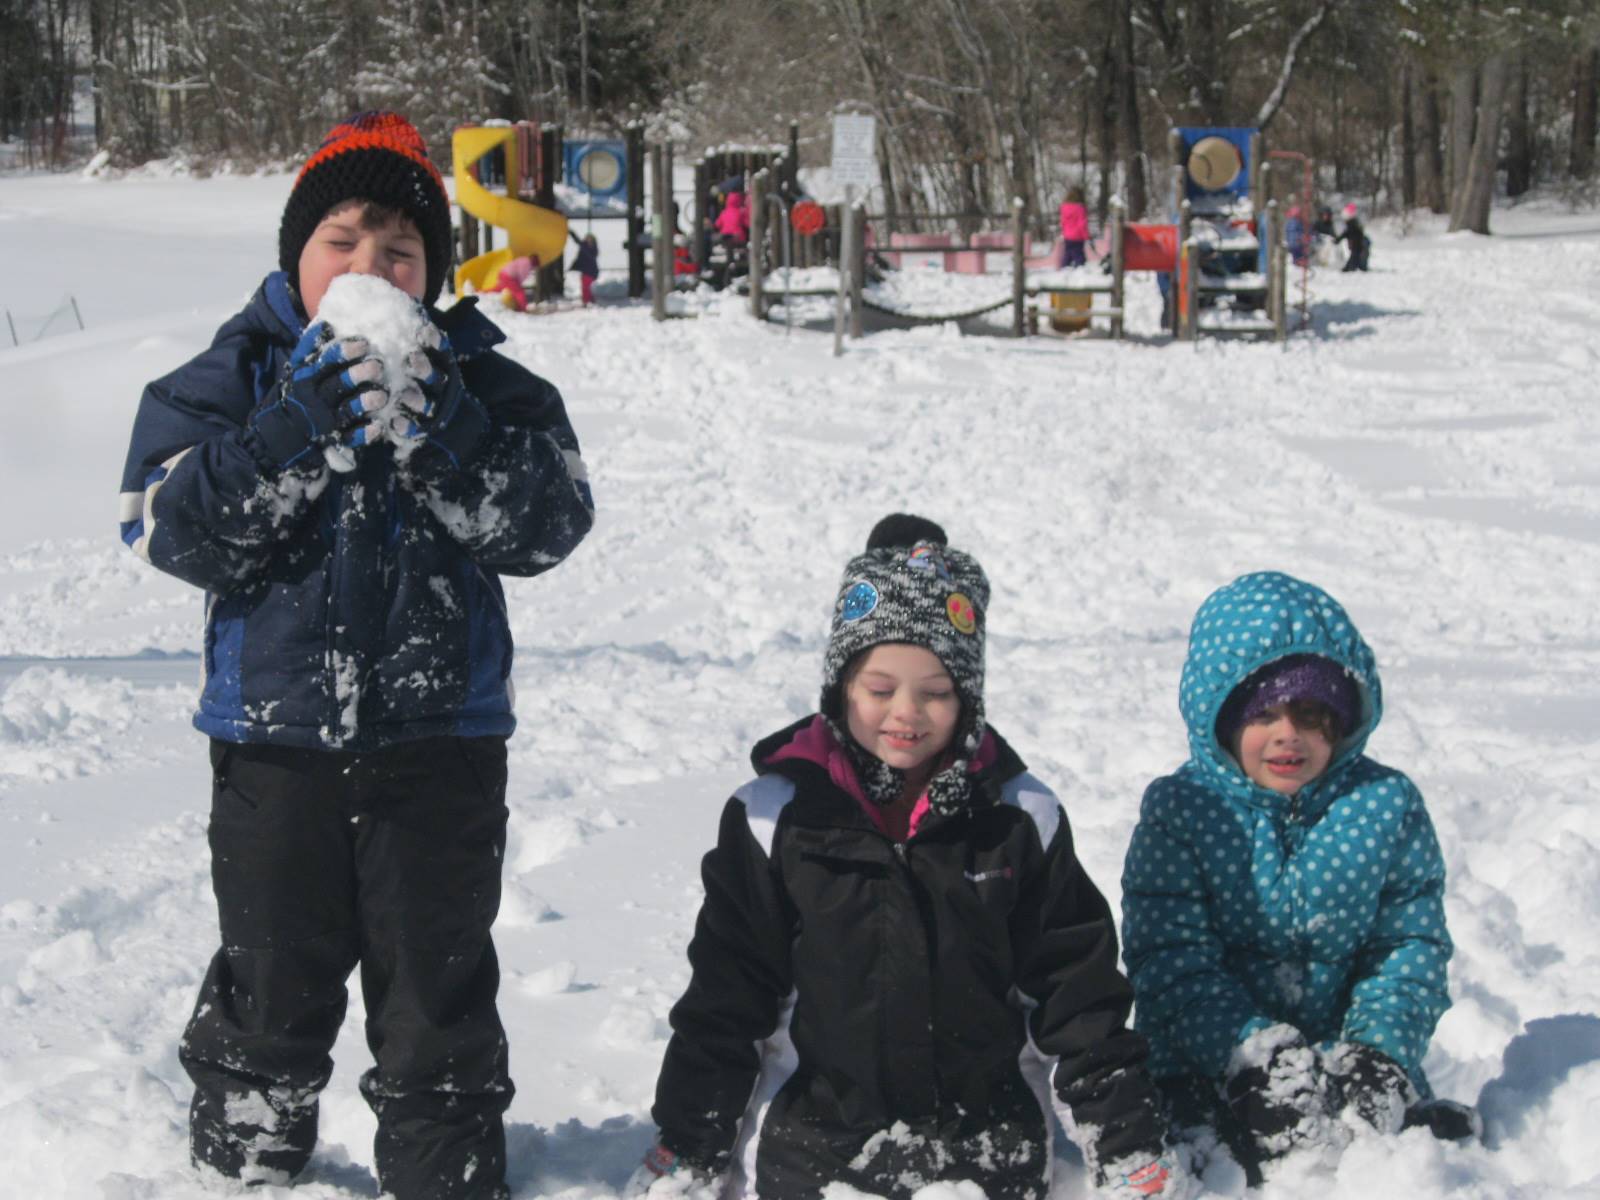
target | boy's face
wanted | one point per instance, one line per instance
(344, 243)
(901, 705)
(1279, 754)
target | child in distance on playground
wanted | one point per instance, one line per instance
(1283, 910)
(357, 657)
(586, 262)
(894, 916)
(1074, 228)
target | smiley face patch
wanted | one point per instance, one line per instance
(961, 613)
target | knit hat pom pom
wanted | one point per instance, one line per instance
(905, 530)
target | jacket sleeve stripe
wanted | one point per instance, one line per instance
(764, 798)
(1038, 801)
(136, 510)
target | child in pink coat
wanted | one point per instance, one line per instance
(734, 221)
(1074, 228)
(513, 279)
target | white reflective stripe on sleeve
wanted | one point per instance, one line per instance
(129, 506)
(141, 545)
(779, 1061)
(1038, 801)
(575, 466)
(764, 798)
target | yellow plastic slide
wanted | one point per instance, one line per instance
(529, 228)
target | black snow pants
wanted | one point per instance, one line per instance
(321, 860)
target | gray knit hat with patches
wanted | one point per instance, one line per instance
(909, 586)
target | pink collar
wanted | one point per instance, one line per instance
(816, 744)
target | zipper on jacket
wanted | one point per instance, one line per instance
(902, 854)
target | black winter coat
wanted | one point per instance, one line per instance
(861, 1011)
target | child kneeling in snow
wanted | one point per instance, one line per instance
(357, 661)
(894, 919)
(1283, 908)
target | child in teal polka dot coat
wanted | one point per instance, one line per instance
(1283, 895)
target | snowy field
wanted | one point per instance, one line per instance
(1429, 452)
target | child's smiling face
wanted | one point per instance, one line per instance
(902, 706)
(347, 242)
(1280, 753)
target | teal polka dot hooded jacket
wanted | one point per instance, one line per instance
(1243, 907)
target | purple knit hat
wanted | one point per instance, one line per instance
(1293, 677)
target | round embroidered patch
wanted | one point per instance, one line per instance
(961, 613)
(926, 558)
(859, 600)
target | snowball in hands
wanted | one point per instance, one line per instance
(394, 326)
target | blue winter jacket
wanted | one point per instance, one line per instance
(360, 610)
(1243, 907)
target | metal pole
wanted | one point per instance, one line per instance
(846, 217)
(12, 325)
(75, 311)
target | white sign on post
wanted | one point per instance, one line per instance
(855, 142)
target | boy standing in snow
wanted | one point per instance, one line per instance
(1283, 895)
(357, 674)
(896, 928)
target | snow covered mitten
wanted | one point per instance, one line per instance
(1368, 1083)
(1447, 1120)
(1276, 1090)
(331, 387)
(436, 410)
(663, 1173)
(1140, 1177)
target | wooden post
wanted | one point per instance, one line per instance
(757, 244)
(1180, 299)
(636, 211)
(658, 235)
(1019, 290)
(793, 166)
(1258, 164)
(858, 264)
(668, 165)
(552, 281)
(1277, 299)
(467, 244)
(846, 263)
(1191, 308)
(700, 210)
(1118, 231)
(1180, 169)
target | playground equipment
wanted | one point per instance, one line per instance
(1229, 274)
(531, 229)
(598, 167)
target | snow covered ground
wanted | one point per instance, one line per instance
(1428, 452)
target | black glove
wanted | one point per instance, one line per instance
(435, 411)
(330, 389)
(1370, 1084)
(1276, 1090)
(1447, 1120)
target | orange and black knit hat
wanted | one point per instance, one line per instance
(376, 156)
